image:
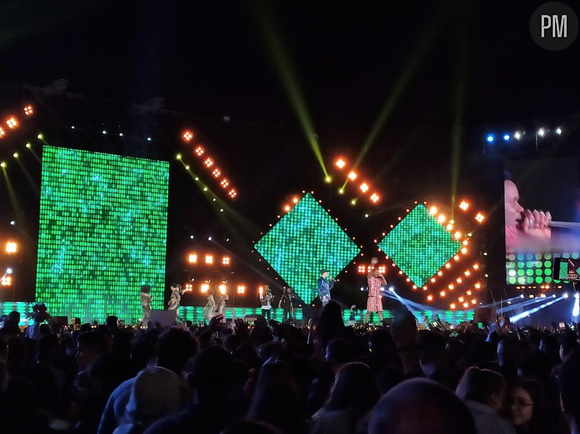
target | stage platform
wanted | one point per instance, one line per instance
(195, 313)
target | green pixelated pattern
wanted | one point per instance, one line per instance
(419, 245)
(102, 234)
(534, 268)
(305, 241)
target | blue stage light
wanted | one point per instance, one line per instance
(506, 137)
(490, 138)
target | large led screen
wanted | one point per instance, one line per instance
(102, 233)
(542, 215)
(303, 243)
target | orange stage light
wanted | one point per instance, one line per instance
(208, 162)
(192, 258)
(11, 247)
(28, 110)
(340, 163)
(216, 172)
(226, 260)
(464, 205)
(199, 151)
(12, 122)
(233, 193)
(364, 187)
(187, 136)
(375, 197)
(480, 217)
(352, 176)
(209, 259)
(225, 183)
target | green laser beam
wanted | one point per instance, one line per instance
(287, 74)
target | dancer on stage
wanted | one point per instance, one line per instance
(324, 287)
(221, 302)
(146, 300)
(286, 304)
(266, 299)
(375, 281)
(175, 299)
(209, 309)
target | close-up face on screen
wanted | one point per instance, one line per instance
(541, 204)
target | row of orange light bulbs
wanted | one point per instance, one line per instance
(223, 288)
(12, 122)
(209, 164)
(352, 176)
(441, 219)
(194, 258)
(6, 280)
(363, 269)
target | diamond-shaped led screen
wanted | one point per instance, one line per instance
(102, 234)
(305, 241)
(419, 245)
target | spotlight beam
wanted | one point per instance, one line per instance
(28, 177)
(287, 75)
(530, 312)
(398, 89)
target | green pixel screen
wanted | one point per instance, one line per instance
(534, 268)
(305, 241)
(419, 245)
(102, 233)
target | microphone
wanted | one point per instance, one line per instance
(564, 225)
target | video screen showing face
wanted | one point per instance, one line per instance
(542, 217)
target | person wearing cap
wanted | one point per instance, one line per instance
(325, 284)
(156, 393)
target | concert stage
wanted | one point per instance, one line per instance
(195, 314)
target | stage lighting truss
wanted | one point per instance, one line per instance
(208, 259)
(12, 122)
(351, 175)
(209, 163)
(436, 253)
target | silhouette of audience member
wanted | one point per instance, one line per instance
(156, 393)
(174, 349)
(211, 380)
(354, 395)
(569, 381)
(251, 427)
(484, 392)
(421, 406)
(434, 359)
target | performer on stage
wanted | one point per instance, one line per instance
(209, 309)
(266, 299)
(146, 300)
(286, 304)
(324, 287)
(175, 299)
(221, 302)
(375, 281)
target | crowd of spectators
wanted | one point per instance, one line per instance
(272, 378)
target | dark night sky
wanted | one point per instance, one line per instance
(455, 64)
